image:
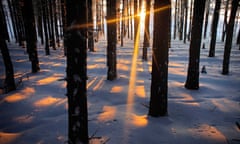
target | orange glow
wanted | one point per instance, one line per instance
(89, 83)
(139, 121)
(26, 93)
(99, 84)
(209, 132)
(140, 91)
(93, 66)
(116, 89)
(220, 105)
(122, 67)
(188, 99)
(48, 80)
(6, 138)
(48, 101)
(109, 113)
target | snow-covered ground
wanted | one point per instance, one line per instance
(36, 113)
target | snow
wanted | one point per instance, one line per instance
(36, 113)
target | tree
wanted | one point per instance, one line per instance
(31, 34)
(111, 40)
(9, 83)
(161, 36)
(146, 41)
(214, 28)
(228, 43)
(90, 28)
(76, 45)
(192, 81)
(207, 3)
(225, 20)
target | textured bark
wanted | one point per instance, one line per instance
(214, 28)
(31, 34)
(192, 81)
(228, 43)
(112, 40)
(159, 83)
(76, 45)
(225, 21)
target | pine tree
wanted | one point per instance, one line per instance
(146, 41)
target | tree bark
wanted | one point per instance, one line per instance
(192, 81)
(225, 21)
(214, 28)
(90, 28)
(228, 43)
(159, 83)
(112, 40)
(47, 50)
(76, 46)
(206, 18)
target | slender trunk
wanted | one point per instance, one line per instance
(206, 18)
(5, 29)
(175, 19)
(186, 20)
(228, 43)
(90, 27)
(225, 21)
(47, 50)
(112, 40)
(146, 41)
(192, 81)
(12, 19)
(190, 22)
(214, 28)
(161, 37)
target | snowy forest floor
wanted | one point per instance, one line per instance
(36, 113)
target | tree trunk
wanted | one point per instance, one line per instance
(185, 20)
(190, 21)
(214, 28)
(112, 40)
(225, 21)
(9, 83)
(76, 46)
(146, 41)
(228, 43)
(5, 29)
(31, 35)
(47, 50)
(175, 19)
(12, 18)
(161, 37)
(192, 81)
(90, 28)
(206, 18)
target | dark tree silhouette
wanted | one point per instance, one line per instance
(47, 50)
(90, 28)
(76, 45)
(228, 43)
(9, 83)
(159, 83)
(214, 28)
(112, 40)
(225, 20)
(192, 81)
(206, 18)
(146, 41)
(31, 34)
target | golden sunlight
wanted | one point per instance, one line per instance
(47, 101)
(139, 121)
(48, 80)
(6, 138)
(16, 97)
(109, 113)
(116, 89)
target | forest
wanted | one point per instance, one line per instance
(119, 71)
